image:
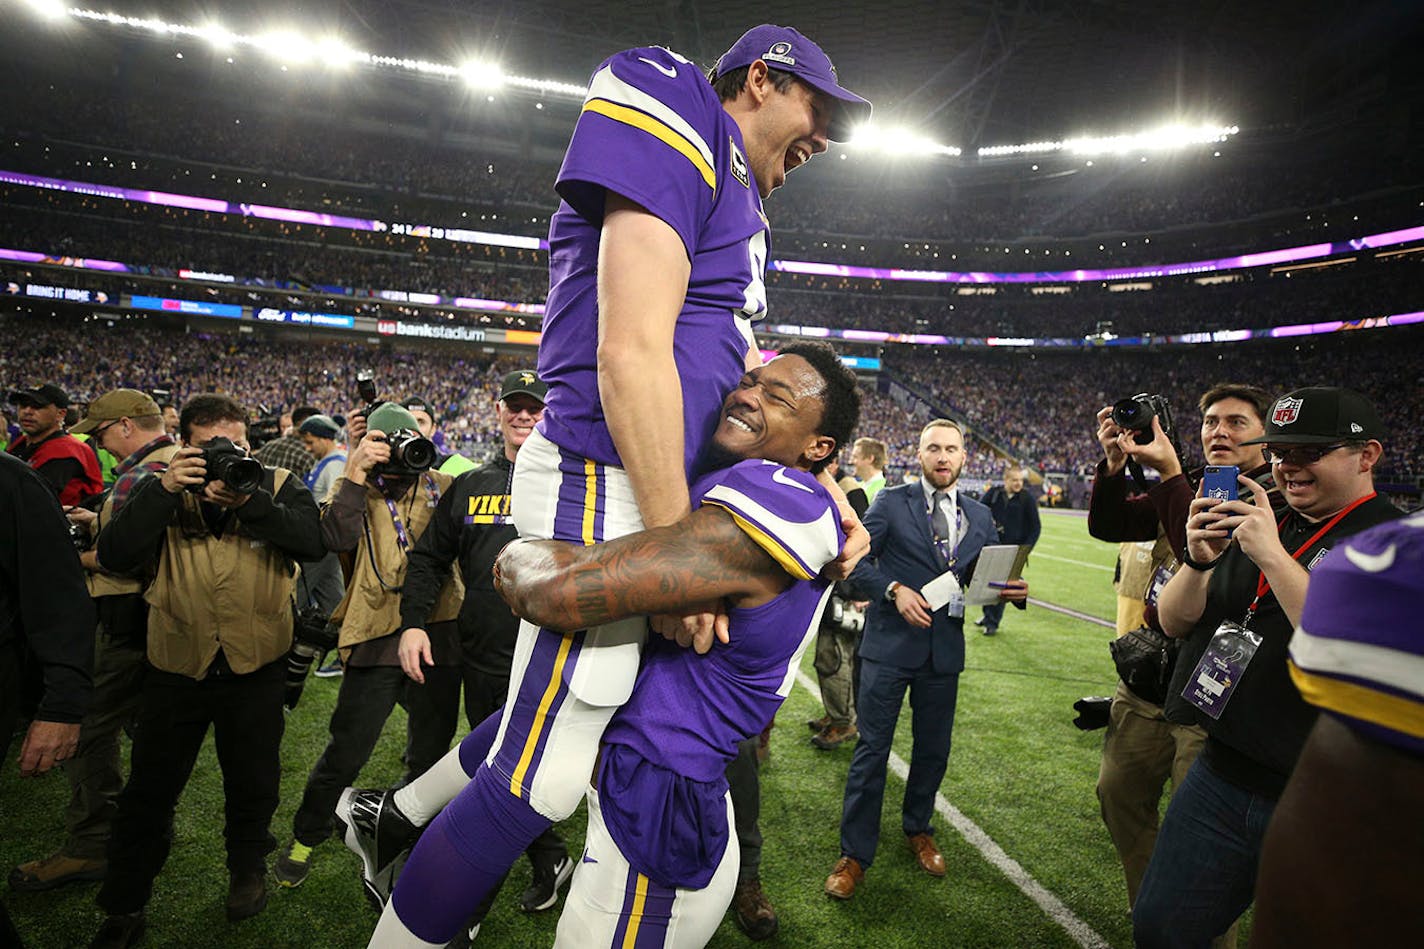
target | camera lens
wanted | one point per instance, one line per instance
(1133, 414)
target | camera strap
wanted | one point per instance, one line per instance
(432, 491)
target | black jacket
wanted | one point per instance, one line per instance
(472, 525)
(45, 611)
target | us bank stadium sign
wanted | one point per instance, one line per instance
(472, 334)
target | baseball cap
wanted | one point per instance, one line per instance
(1320, 415)
(786, 49)
(46, 394)
(391, 417)
(523, 381)
(416, 403)
(320, 426)
(120, 403)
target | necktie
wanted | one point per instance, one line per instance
(941, 525)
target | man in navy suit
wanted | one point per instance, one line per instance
(917, 532)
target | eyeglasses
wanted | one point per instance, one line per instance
(98, 433)
(1301, 455)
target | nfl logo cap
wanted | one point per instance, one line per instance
(1321, 415)
(523, 382)
(786, 49)
(117, 404)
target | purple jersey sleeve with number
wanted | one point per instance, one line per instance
(661, 781)
(653, 130)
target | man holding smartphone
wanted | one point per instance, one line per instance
(1236, 606)
(1143, 748)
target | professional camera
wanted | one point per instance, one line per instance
(411, 453)
(231, 465)
(844, 616)
(1135, 415)
(267, 427)
(312, 636)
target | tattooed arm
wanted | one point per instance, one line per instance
(700, 560)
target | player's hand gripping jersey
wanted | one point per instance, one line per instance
(653, 130)
(661, 779)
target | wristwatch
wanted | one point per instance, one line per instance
(891, 590)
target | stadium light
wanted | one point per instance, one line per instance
(290, 47)
(482, 75)
(1160, 139)
(897, 141)
(48, 9)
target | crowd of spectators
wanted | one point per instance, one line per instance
(1036, 408)
(266, 374)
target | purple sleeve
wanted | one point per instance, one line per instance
(786, 511)
(647, 131)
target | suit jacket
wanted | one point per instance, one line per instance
(902, 548)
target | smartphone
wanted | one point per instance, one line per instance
(1219, 482)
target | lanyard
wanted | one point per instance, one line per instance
(403, 538)
(1263, 586)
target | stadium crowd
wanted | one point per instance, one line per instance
(1026, 407)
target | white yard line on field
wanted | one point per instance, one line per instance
(1077, 563)
(1081, 933)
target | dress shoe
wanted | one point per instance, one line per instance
(819, 724)
(753, 911)
(118, 931)
(991, 630)
(246, 894)
(833, 736)
(845, 877)
(931, 860)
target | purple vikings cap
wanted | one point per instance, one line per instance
(786, 49)
(1359, 629)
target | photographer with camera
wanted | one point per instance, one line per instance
(1142, 748)
(127, 424)
(224, 532)
(288, 450)
(377, 511)
(321, 583)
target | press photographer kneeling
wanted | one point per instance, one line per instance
(225, 532)
(1143, 748)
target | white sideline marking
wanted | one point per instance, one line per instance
(1078, 563)
(1081, 932)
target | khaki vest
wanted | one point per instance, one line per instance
(1140, 561)
(235, 593)
(108, 584)
(371, 607)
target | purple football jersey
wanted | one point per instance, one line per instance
(667, 748)
(653, 130)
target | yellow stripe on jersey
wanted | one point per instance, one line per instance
(766, 542)
(541, 715)
(1394, 712)
(590, 500)
(663, 133)
(635, 913)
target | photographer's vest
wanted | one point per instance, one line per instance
(371, 607)
(107, 584)
(1139, 562)
(235, 593)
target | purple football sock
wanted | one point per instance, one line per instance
(463, 855)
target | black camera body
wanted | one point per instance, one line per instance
(312, 636)
(1136, 414)
(230, 464)
(411, 453)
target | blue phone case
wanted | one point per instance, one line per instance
(1219, 481)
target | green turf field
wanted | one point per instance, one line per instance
(1020, 773)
